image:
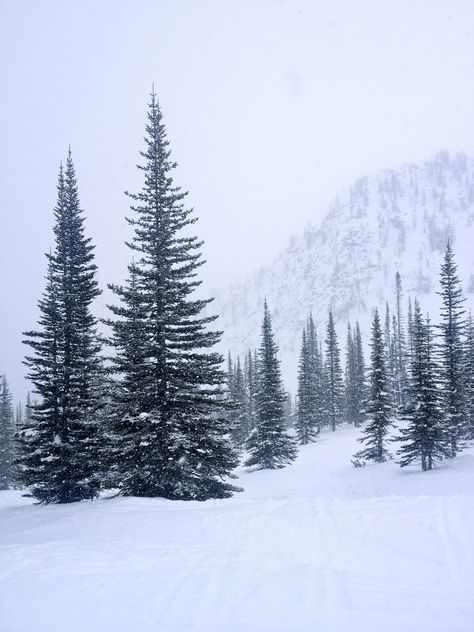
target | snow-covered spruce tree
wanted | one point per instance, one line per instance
(170, 426)
(389, 344)
(305, 426)
(269, 444)
(7, 469)
(334, 383)
(469, 377)
(399, 352)
(451, 351)
(360, 395)
(59, 444)
(410, 335)
(350, 379)
(425, 439)
(316, 384)
(374, 434)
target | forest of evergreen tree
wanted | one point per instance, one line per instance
(148, 408)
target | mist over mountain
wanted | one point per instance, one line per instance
(398, 219)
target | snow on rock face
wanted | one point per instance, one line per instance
(395, 220)
(317, 546)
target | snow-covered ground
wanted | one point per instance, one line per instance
(318, 546)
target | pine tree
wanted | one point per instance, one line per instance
(399, 348)
(315, 378)
(469, 377)
(59, 445)
(360, 395)
(269, 444)
(378, 407)
(334, 382)
(389, 344)
(306, 429)
(425, 439)
(350, 381)
(410, 351)
(7, 470)
(451, 350)
(174, 424)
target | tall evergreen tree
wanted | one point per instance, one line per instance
(378, 407)
(359, 386)
(389, 344)
(315, 377)
(350, 381)
(60, 443)
(306, 429)
(269, 444)
(425, 439)
(469, 377)
(7, 470)
(399, 348)
(451, 350)
(334, 382)
(410, 352)
(175, 420)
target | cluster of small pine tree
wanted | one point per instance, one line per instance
(423, 382)
(427, 384)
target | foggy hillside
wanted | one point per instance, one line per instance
(397, 219)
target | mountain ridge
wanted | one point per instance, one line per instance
(395, 220)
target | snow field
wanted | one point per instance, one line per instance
(317, 546)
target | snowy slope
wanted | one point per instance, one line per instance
(395, 220)
(318, 546)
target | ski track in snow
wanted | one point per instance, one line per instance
(317, 546)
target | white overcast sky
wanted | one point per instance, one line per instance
(271, 106)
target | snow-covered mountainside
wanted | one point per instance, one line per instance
(317, 546)
(395, 220)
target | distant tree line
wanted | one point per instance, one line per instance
(420, 379)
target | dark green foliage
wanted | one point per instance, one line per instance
(355, 377)
(451, 351)
(360, 390)
(59, 440)
(389, 344)
(350, 381)
(169, 423)
(7, 469)
(378, 406)
(398, 351)
(306, 421)
(334, 401)
(269, 444)
(469, 378)
(425, 440)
